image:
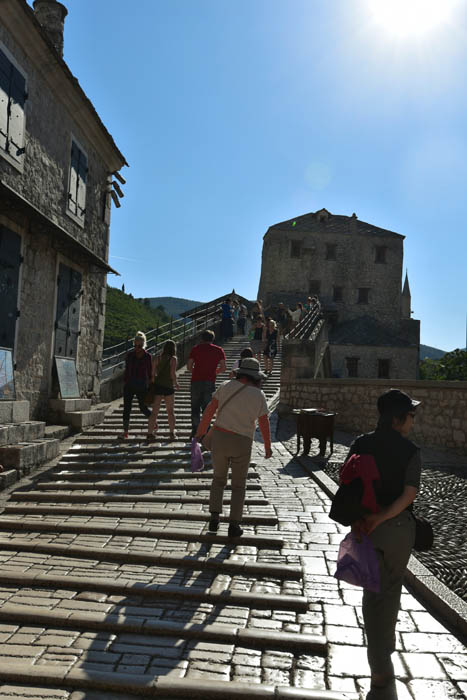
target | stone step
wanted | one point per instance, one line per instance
(92, 497)
(12, 433)
(60, 432)
(26, 455)
(140, 513)
(130, 485)
(48, 676)
(14, 412)
(69, 405)
(155, 591)
(96, 477)
(79, 420)
(142, 531)
(169, 560)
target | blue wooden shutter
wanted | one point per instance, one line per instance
(5, 74)
(16, 120)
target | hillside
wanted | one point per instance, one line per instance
(126, 315)
(431, 353)
(173, 306)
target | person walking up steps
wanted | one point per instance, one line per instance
(272, 346)
(392, 529)
(206, 361)
(239, 403)
(164, 376)
(138, 370)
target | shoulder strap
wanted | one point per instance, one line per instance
(244, 386)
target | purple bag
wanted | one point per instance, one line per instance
(197, 461)
(357, 563)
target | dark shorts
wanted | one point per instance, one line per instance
(163, 390)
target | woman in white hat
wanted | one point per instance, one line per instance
(238, 403)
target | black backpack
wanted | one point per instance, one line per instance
(346, 505)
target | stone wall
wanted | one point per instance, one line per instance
(46, 161)
(403, 361)
(441, 418)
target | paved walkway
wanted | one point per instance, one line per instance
(124, 594)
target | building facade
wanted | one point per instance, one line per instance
(56, 166)
(355, 269)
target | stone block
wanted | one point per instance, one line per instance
(20, 411)
(67, 405)
(84, 419)
(26, 456)
(6, 411)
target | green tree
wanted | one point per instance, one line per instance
(453, 366)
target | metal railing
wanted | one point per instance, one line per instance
(304, 328)
(179, 330)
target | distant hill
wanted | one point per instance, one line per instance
(431, 353)
(173, 306)
(125, 315)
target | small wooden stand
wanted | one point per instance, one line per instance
(314, 423)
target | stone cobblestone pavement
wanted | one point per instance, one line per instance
(111, 593)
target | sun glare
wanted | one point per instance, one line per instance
(408, 18)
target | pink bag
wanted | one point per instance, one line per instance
(197, 461)
(357, 563)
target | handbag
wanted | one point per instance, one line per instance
(207, 439)
(197, 461)
(150, 395)
(424, 535)
(357, 563)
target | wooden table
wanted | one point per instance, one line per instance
(314, 423)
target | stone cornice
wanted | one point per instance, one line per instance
(19, 19)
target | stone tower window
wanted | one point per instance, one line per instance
(383, 369)
(12, 100)
(314, 287)
(337, 293)
(352, 366)
(331, 251)
(77, 183)
(363, 295)
(295, 249)
(380, 254)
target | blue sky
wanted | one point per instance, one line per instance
(237, 115)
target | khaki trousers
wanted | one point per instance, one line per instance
(229, 449)
(393, 541)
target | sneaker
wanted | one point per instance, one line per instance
(172, 437)
(213, 524)
(150, 437)
(122, 436)
(234, 530)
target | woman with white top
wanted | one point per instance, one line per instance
(239, 403)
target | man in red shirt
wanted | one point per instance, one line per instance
(205, 362)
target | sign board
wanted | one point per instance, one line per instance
(67, 377)
(7, 381)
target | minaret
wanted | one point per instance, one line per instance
(406, 299)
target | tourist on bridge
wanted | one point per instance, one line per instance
(283, 318)
(227, 320)
(392, 528)
(259, 336)
(206, 361)
(239, 403)
(246, 352)
(138, 369)
(164, 377)
(242, 316)
(272, 345)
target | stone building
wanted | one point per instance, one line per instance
(56, 166)
(355, 269)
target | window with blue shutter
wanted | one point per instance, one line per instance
(77, 182)
(12, 100)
